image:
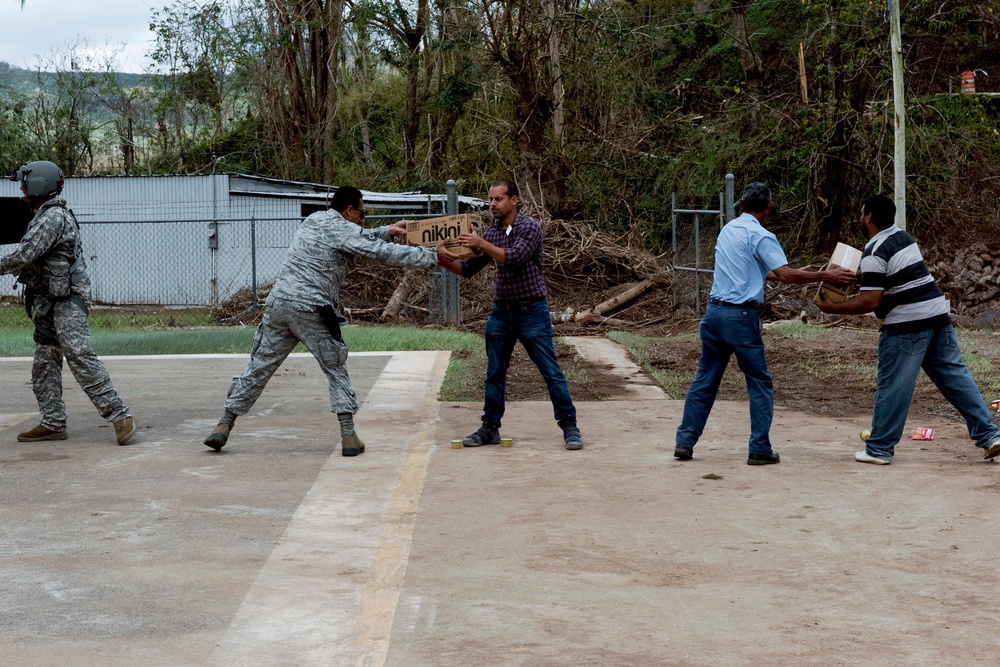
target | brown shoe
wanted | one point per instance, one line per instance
(351, 445)
(219, 436)
(40, 433)
(124, 430)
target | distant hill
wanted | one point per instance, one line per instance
(26, 80)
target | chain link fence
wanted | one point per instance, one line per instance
(174, 247)
(196, 241)
(197, 263)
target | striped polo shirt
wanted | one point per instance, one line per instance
(911, 298)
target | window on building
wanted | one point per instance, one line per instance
(15, 214)
(309, 209)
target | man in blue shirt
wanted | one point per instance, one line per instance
(746, 255)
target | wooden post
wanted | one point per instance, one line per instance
(896, 42)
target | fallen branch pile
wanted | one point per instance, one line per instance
(590, 274)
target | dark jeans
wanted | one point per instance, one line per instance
(726, 331)
(900, 358)
(531, 324)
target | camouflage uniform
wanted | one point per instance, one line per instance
(58, 295)
(310, 277)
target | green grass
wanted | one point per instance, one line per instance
(865, 375)
(638, 346)
(13, 317)
(464, 381)
(674, 384)
(984, 370)
(120, 333)
(798, 330)
(116, 333)
(365, 338)
(19, 343)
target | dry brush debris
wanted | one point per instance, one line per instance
(597, 279)
(583, 268)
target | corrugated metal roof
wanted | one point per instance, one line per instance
(249, 184)
(271, 186)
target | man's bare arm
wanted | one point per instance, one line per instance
(861, 303)
(788, 275)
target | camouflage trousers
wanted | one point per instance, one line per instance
(285, 324)
(61, 330)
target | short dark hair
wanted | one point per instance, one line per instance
(882, 210)
(756, 197)
(344, 197)
(511, 187)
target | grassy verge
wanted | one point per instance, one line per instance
(984, 369)
(118, 333)
(464, 380)
(675, 384)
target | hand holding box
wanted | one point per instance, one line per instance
(846, 257)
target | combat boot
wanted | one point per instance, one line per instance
(219, 436)
(40, 433)
(351, 445)
(124, 430)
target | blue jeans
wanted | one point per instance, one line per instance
(727, 330)
(532, 325)
(900, 358)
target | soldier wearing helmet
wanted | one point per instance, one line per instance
(57, 296)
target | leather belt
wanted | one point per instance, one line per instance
(726, 304)
(517, 304)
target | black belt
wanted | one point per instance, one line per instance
(726, 304)
(517, 304)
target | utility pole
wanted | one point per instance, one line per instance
(896, 43)
(557, 77)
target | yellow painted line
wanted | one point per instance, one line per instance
(373, 623)
(327, 594)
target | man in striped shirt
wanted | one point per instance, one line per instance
(916, 333)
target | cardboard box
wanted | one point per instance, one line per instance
(431, 231)
(849, 258)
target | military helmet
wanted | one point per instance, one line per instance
(40, 180)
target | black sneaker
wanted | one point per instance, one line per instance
(572, 438)
(484, 436)
(683, 453)
(763, 459)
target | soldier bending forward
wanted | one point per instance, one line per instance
(304, 306)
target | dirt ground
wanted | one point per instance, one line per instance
(831, 373)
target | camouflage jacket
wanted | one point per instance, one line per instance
(321, 251)
(50, 246)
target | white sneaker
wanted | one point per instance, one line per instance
(864, 457)
(992, 450)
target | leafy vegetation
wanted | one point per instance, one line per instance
(600, 109)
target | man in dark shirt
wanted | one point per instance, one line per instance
(916, 333)
(520, 312)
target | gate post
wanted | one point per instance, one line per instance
(444, 305)
(730, 197)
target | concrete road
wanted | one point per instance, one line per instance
(279, 551)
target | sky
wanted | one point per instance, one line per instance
(44, 27)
